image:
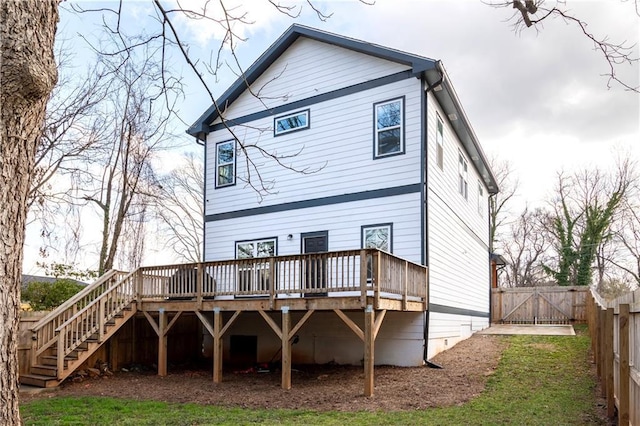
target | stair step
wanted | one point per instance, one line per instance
(39, 381)
(51, 360)
(44, 370)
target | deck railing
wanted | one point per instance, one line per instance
(44, 331)
(315, 274)
(91, 320)
(356, 273)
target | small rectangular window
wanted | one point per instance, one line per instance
(463, 187)
(440, 143)
(480, 199)
(225, 164)
(389, 128)
(377, 236)
(291, 122)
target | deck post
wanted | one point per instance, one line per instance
(199, 282)
(286, 348)
(369, 339)
(364, 265)
(217, 345)
(377, 275)
(162, 342)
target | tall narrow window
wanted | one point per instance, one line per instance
(480, 198)
(439, 142)
(389, 128)
(463, 187)
(225, 164)
(291, 122)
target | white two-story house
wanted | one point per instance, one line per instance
(329, 144)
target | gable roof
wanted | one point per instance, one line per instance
(431, 70)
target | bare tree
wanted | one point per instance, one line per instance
(182, 209)
(138, 120)
(69, 135)
(626, 236)
(526, 248)
(26, 27)
(498, 203)
(533, 13)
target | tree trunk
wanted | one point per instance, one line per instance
(27, 75)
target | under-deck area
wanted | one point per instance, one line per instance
(358, 288)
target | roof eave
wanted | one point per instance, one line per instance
(200, 128)
(448, 100)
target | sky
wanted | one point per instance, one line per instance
(535, 98)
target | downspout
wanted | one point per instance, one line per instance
(426, 259)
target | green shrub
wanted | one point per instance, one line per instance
(44, 296)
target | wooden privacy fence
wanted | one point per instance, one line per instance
(538, 305)
(615, 340)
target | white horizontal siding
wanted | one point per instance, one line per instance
(445, 330)
(444, 182)
(458, 262)
(309, 68)
(336, 153)
(343, 221)
(326, 338)
(458, 234)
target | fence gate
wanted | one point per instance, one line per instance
(538, 305)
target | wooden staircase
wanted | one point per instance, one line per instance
(64, 339)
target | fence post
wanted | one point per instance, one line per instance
(624, 373)
(600, 351)
(609, 358)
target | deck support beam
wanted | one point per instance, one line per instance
(162, 343)
(369, 341)
(286, 348)
(286, 333)
(217, 330)
(368, 336)
(162, 329)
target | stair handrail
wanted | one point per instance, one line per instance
(92, 318)
(43, 332)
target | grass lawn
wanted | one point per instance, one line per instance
(541, 380)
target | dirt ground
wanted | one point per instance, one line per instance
(466, 368)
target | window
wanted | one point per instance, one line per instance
(291, 122)
(462, 176)
(225, 164)
(480, 198)
(440, 143)
(377, 236)
(389, 130)
(253, 276)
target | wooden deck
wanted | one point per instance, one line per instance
(370, 281)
